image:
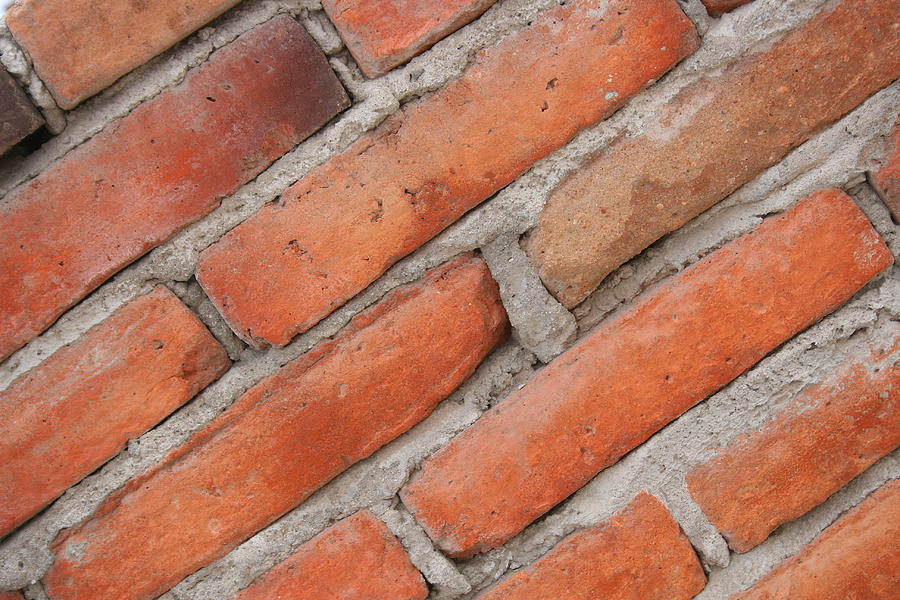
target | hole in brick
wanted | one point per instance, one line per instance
(210, 98)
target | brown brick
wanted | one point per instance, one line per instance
(638, 554)
(79, 47)
(286, 437)
(886, 180)
(357, 559)
(382, 34)
(165, 165)
(636, 373)
(341, 227)
(717, 8)
(710, 139)
(857, 558)
(18, 117)
(833, 432)
(76, 410)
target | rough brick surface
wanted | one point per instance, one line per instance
(10, 596)
(68, 416)
(286, 437)
(165, 165)
(635, 373)
(886, 180)
(357, 559)
(382, 34)
(719, 7)
(343, 225)
(712, 138)
(858, 557)
(638, 554)
(79, 47)
(18, 117)
(828, 436)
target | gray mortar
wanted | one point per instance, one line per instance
(832, 158)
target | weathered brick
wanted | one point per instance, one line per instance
(99, 41)
(858, 557)
(833, 432)
(76, 410)
(10, 596)
(382, 34)
(709, 140)
(635, 373)
(286, 437)
(165, 165)
(18, 117)
(343, 225)
(719, 7)
(357, 559)
(886, 180)
(639, 553)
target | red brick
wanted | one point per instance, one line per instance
(286, 437)
(712, 138)
(342, 226)
(99, 41)
(65, 418)
(833, 432)
(717, 8)
(382, 34)
(165, 165)
(638, 554)
(858, 557)
(18, 117)
(10, 596)
(886, 180)
(636, 373)
(357, 559)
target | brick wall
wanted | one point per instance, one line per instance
(450, 300)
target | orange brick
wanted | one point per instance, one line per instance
(341, 227)
(357, 559)
(711, 139)
(382, 34)
(76, 410)
(886, 180)
(164, 166)
(858, 557)
(638, 554)
(636, 373)
(717, 8)
(829, 435)
(286, 437)
(97, 42)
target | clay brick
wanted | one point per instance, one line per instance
(286, 437)
(342, 226)
(98, 41)
(886, 180)
(10, 596)
(712, 138)
(636, 373)
(77, 409)
(832, 432)
(382, 34)
(858, 557)
(18, 117)
(357, 559)
(639, 553)
(717, 8)
(165, 165)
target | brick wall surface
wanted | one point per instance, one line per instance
(479, 299)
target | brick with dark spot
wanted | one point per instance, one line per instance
(18, 116)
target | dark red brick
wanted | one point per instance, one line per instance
(382, 34)
(634, 374)
(342, 226)
(165, 165)
(712, 138)
(18, 116)
(357, 559)
(76, 410)
(639, 553)
(286, 437)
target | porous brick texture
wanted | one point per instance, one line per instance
(463, 300)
